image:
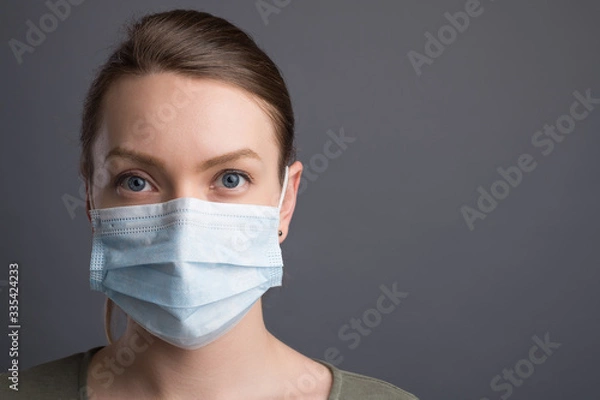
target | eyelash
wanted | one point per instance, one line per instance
(244, 175)
(121, 178)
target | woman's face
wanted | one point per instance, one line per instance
(165, 136)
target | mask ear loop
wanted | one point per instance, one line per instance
(92, 207)
(284, 188)
(91, 199)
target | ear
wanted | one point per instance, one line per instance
(289, 200)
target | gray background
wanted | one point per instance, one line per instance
(387, 210)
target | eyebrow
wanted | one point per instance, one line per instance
(155, 162)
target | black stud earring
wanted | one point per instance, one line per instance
(280, 233)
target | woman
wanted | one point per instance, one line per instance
(187, 139)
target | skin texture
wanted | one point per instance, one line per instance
(146, 115)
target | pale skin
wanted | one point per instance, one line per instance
(212, 119)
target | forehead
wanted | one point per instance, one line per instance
(167, 112)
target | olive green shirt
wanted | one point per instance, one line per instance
(65, 379)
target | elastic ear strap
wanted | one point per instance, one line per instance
(284, 189)
(92, 207)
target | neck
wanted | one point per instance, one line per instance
(228, 367)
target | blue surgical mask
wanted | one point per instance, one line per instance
(186, 270)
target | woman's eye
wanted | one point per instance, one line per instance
(134, 183)
(232, 179)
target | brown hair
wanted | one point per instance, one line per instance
(194, 44)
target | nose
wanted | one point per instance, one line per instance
(187, 187)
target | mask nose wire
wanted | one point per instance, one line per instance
(283, 189)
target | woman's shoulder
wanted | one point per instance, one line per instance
(352, 386)
(56, 379)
